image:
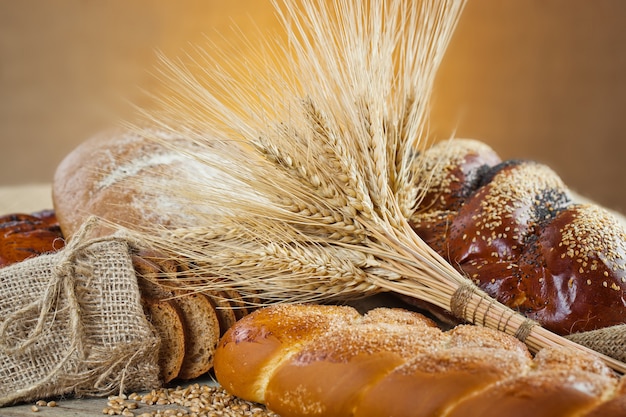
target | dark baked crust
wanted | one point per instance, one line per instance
(519, 236)
(23, 236)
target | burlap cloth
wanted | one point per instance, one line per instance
(610, 341)
(72, 323)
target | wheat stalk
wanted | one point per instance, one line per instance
(322, 148)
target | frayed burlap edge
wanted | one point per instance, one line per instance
(610, 341)
(71, 323)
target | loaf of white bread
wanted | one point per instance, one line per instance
(312, 360)
(121, 177)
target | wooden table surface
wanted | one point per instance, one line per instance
(86, 407)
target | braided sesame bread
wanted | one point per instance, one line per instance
(310, 360)
(514, 229)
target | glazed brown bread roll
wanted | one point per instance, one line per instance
(514, 229)
(450, 175)
(23, 236)
(310, 360)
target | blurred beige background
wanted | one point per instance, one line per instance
(539, 79)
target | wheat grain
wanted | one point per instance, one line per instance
(320, 150)
(324, 172)
(306, 270)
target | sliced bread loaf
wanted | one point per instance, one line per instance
(167, 322)
(202, 334)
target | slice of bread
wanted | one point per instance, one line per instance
(167, 322)
(236, 303)
(227, 304)
(197, 313)
(223, 308)
(148, 274)
(202, 330)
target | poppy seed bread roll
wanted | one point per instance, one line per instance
(518, 233)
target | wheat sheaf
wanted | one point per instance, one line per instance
(316, 148)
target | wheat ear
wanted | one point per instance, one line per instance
(322, 148)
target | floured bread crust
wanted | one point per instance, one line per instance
(127, 179)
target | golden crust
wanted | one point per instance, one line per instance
(308, 361)
(433, 382)
(248, 351)
(351, 355)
